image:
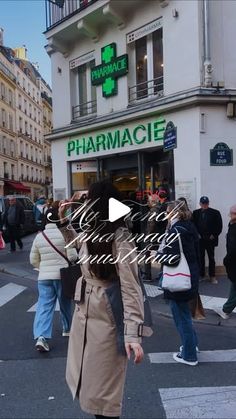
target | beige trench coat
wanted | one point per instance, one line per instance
(95, 370)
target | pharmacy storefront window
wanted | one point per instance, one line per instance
(83, 94)
(146, 52)
(83, 174)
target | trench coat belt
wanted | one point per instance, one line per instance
(137, 330)
(98, 282)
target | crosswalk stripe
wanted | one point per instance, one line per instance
(33, 308)
(204, 356)
(9, 291)
(199, 402)
(208, 302)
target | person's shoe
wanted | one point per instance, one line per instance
(213, 280)
(42, 345)
(66, 334)
(181, 348)
(221, 313)
(178, 358)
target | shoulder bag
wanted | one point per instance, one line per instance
(177, 278)
(69, 274)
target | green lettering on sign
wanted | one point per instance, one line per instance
(107, 73)
(151, 132)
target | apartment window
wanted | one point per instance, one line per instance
(31, 131)
(30, 110)
(32, 173)
(26, 128)
(5, 169)
(25, 106)
(21, 149)
(23, 83)
(32, 153)
(22, 171)
(83, 97)
(33, 94)
(39, 137)
(27, 151)
(4, 142)
(28, 88)
(35, 114)
(19, 101)
(35, 134)
(10, 98)
(12, 148)
(149, 66)
(39, 117)
(12, 171)
(10, 122)
(20, 124)
(3, 118)
(3, 91)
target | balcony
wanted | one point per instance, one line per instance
(7, 72)
(150, 89)
(58, 11)
(85, 109)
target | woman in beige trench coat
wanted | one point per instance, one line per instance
(95, 370)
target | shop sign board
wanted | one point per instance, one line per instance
(85, 58)
(107, 73)
(84, 166)
(221, 155)
(118, 139)
(144, 30)
(170, 137)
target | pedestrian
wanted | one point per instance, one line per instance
(49, 262)
(208, 222)
(13, 219)
(179, 301)
(230, 265)
(96, 370)
(38, 211)
(195, 304)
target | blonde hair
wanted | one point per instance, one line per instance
(180, 208)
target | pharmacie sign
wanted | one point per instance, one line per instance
(107, 73)
(150, 133)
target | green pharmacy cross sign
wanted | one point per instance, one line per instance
(110, 70)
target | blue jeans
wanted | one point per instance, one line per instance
(49, 291)
(183, 321)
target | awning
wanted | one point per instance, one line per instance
(17, 186)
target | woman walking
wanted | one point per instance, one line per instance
(47, 260)
(180, 223)
(96, 365)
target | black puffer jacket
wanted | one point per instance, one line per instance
(230, 258)
(190, 243)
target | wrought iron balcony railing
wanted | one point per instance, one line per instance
(59, 10)
(147, 89)
(84, 109)
(7, 72)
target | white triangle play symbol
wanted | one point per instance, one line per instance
(117, 209)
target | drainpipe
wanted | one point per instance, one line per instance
(207, 56)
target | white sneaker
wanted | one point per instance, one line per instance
(181, 348)
(178, 358)
(42, 345)
(221, 313)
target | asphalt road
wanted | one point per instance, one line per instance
(32, 385)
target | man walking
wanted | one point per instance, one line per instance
(14, 218)
(208, 222)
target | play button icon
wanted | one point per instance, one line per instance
(117, 209)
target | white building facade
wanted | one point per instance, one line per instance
(121, 71)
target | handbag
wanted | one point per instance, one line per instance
(69, 274)
(177, 278)
(2, 242)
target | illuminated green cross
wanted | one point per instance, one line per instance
(110, 70)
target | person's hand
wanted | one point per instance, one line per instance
(212, 237)
(138, 351)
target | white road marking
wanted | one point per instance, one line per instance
(199, 402)
(9, 291)
(228, 355)
(208, 302)
(33, 308)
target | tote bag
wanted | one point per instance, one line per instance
(177, 278)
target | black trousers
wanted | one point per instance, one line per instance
(14, 236)
(207, 246)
